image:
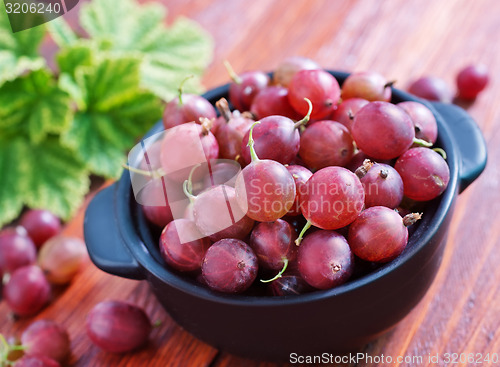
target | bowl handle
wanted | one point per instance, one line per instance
(105, 244)
(469, 140)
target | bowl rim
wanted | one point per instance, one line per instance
(124, 205)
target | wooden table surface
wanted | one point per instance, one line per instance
(402, 39)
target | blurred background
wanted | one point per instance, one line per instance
(403, 40)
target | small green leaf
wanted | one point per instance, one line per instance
(168, 54)
(68, 84)
(182, 50)
(61, 32)
(94, 136)
(18, 51)
(43, 175)
(56, 179)
(81, 53)
(110, 83)
(12, 166)
(34, 105)
(127, 24)
(116, 112)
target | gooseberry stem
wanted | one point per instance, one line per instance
(362, 170)
(206, 125)
(187, 186)
(5, 349)
(422, 143)
(389, 84)
(137, 170)
(301, 235)
(181, 86)
(277, 276)
(411, 218)
(235, 77)
(440, 151)
(223, 107)
(153, 174)
(350, 115)
(251, 143)
(307, 117)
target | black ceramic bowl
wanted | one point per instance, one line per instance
(270, 328)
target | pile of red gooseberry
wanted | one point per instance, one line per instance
(329, 179)
(34, 258)
(302, 185)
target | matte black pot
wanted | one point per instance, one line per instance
(270, 328)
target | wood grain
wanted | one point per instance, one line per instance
(403, 39)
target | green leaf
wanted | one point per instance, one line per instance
(56, 179)
(129, 25)
(80, 53)
(116, 111)
(12, 166)
(43, 175)
(90, 136)
(18, 51)
(69, 59)
(68, 84)
(61, 32)
(35, 106)
(168, 54)
(182, 50)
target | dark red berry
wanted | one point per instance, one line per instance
(431, 88)
(182, 246)
(325, 259)
(379, 234)
(424, 172)
(117, 326)
(16, 250)
(230, 266)
(27, 291)
(46, 338)
(471, 80)
(40, 225)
